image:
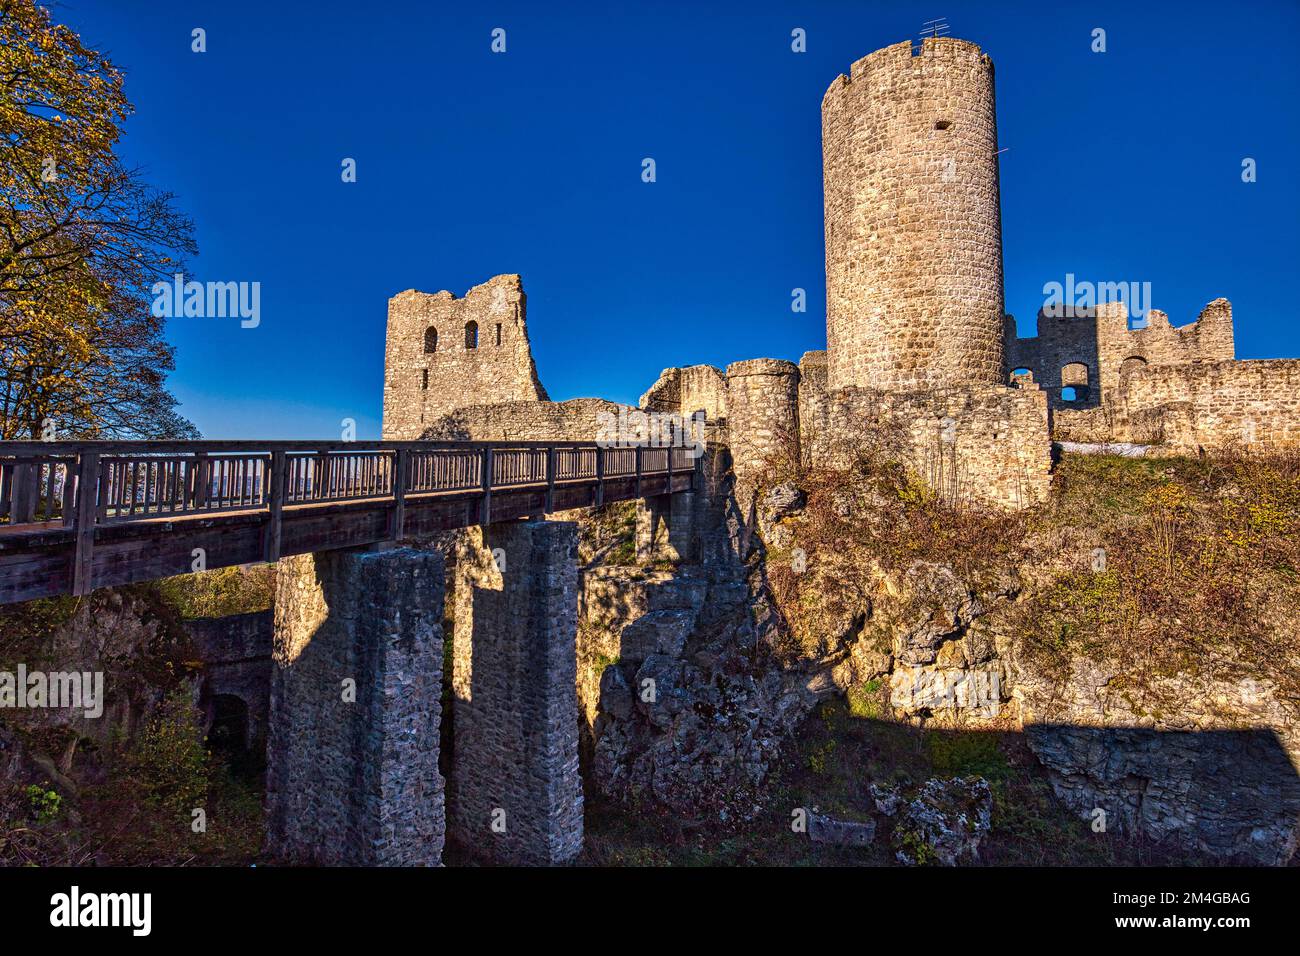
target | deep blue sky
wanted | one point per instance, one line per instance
(1120, 166)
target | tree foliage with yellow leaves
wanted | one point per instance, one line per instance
(82, 239)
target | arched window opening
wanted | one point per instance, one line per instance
(943, 124)
(430, 339)
(1076, 373)
(1074, 382)
(471, 334)
(1022, 376)
(1133, 363)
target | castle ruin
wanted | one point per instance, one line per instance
(920, 355)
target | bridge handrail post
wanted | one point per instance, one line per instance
(485, 513)
(104, 491)
(551, 464)
(196, 487)
(400, 466)
(275, 505)
(69, 494)
(637, 455)
(88, 474)
(600, 476)
(23, 493)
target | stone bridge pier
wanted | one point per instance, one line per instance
(352, 755)
(515, 790)
(353, 752)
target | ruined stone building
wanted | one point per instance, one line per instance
(443, 352)
(920, 352)
(921, 360)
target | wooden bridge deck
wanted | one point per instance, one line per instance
(80, 516)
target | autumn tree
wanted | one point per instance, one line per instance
(82, 240)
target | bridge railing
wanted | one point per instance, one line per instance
(44, 482)
(81, 486)
(36, 488)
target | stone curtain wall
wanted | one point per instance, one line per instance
(913, 224)
(575, 420)
(986, 446)
(420, 386)
(1100, 339)
(516, 794)
(1214, 405)
(999, 452)
(357, 783)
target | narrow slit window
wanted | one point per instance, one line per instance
(498, 333)
(424, 384)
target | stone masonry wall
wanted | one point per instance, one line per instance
(236, 655)
(430, 368)
(1251, 404)
(763, 419)
(515, 792)
(1099, 338)
(913, 224)
(576, 420)
(688, 390)
(988, 446)
(356, 782)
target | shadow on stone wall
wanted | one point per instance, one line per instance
(1227, 794)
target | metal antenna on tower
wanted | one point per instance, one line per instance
(935, 28)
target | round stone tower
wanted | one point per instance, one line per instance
(913, 225)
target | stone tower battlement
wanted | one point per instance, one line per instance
(443, 353)
(914, 293)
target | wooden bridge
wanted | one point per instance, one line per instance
(75, 516)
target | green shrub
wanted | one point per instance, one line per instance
(169, 759)
(45, 803)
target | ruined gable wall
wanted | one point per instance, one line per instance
(421, 386)
(1100, 338)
